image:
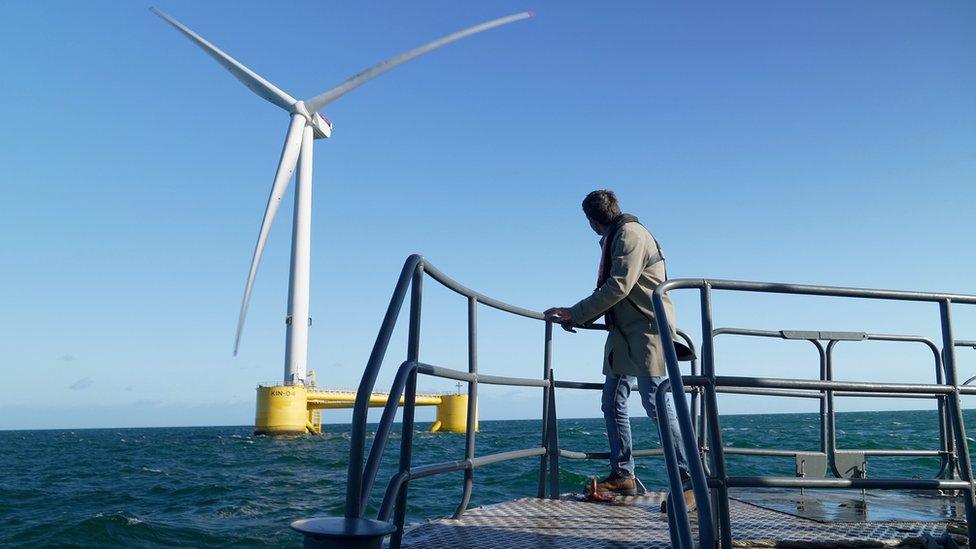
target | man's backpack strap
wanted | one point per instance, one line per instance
(657, 257)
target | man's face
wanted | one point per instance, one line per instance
(597, 228)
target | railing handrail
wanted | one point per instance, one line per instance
(459, 288)
(482, 299)
(811, 289)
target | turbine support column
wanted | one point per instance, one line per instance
(298, 320)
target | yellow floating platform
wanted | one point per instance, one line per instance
(295, 409)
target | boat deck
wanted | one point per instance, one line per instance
(759, 519)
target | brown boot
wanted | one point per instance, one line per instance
(616, 485)
(689, 497)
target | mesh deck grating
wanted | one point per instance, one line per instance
(636, 522)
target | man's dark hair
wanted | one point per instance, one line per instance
(601, 206)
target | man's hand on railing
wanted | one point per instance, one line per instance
(562, 316)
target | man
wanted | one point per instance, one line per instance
(631, 267)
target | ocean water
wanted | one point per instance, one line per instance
(221, 486)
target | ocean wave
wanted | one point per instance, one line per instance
(223, 487)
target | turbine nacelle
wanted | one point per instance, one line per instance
(322, 126)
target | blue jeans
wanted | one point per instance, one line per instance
(616, 391)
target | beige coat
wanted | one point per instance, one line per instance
(633, 347)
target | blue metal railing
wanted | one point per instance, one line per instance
(700, 434)
(709, 381)
(361, 476)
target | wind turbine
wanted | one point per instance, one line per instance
(305, 126)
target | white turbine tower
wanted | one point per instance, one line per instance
(306, 124)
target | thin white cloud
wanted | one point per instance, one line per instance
(82, 383)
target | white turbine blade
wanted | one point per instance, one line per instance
(248, 77)
(286, 167)
(320, 101)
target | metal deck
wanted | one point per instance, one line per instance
(636, 522)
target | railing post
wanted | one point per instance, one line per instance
(416, 299)
(953, 465)
(823, 395)
(383, 431)
(695, 404)
(831, 413)
(702, 424)
(948, 462)
(471, 424)
(955, 411)
(546, 351)
(680, 528)
(410, 400)
(715, 428)
(552, 446)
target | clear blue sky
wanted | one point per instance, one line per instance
(803, 142)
